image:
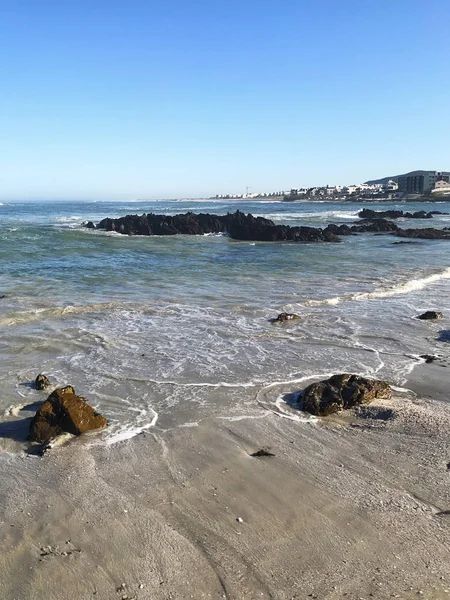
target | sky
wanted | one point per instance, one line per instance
(188, 98)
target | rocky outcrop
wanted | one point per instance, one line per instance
(238, 225)
(425, 234)
(374, 226)
(41, 382)
(430, 315)
(367, 213)
(339, 229)
(64, 412)
(340, 392)
(284, 316)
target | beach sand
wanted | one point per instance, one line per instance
(345, 509)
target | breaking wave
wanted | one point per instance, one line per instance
(413, 285)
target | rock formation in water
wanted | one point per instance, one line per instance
(342, 391)
(283, 317)
(238, 225)
(428, 233)
(41, 382)
(367, 213)
(430, 315)
(64, 412)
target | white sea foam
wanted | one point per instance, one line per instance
(327, 215)
(413, 285)
(126, 432)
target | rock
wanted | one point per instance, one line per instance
(426, 233)
(340, 392)
(282, 317)
(239, 519)
(339, 229)
(64, 412)
(238, 225)
(428, 358)
(429, 315)
(374, 226)
(89, 225)
(41, 382)
(367, 213)
(262, 452)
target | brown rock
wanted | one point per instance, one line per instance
(342, 391)
(41, 382)
(64, 412)
(282, 317)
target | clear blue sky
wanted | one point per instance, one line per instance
(143, 99)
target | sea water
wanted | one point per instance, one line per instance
(162, 332)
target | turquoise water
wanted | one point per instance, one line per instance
(165, 331)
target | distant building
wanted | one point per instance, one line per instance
(421, 183)
(391, 186)
(442, 186)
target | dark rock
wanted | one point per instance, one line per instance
(282, 317)
(342, 391)
(238, 225)
(429, 315)
(42, 382)
(367, 213)
(428, 358)
(89, 225)
(374, 226)
(402, 242)
(64, 412)
(338, 229)
(262, 452)
(426, 233)
(2, 296)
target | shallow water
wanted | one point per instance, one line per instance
(165, 331)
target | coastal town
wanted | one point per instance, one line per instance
(415, 185)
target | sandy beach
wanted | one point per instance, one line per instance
(344, 509)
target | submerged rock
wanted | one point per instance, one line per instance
(428, 358)
(64, 412)
(427, 233)
(367, 213)
(374, 226)
(429, 315)
(284, 316)
(41, 382)
(342, 391)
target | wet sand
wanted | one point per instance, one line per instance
(357, 509)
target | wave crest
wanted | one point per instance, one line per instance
(413, 285)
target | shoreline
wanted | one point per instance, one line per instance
(345, 508)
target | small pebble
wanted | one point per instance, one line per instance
(240, 520)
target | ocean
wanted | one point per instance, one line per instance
(163, 332)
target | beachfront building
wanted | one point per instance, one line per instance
(421, 182)
(441, 187)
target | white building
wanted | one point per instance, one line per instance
(442, 187)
